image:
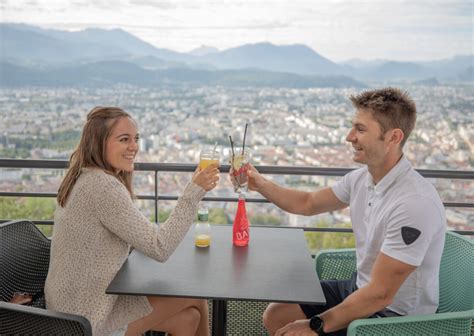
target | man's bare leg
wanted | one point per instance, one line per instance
(278, 315)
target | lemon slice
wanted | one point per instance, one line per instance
(237, 162)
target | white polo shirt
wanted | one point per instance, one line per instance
(403, 217)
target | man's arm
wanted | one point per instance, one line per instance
(292, 200)
(387, 276)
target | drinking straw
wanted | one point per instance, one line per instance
(245, 133)
(213, 150)
(232, 146)
(232, 161)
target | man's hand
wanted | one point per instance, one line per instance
(297, 328)
(256, 180)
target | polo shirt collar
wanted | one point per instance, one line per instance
(402, 167)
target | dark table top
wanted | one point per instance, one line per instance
(275, 266)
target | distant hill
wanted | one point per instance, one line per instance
(29, 45)
(467, 75)
(445, 69)
(152, 62)
(385, 70)
(398, 70)
(47, 49)
(100, 73)
(427, 82)
(292, 58)
(451, 67)
(54, 47)
(357, 63)
(203, 50)
(111, 72)
(258, 78)
(14, 75)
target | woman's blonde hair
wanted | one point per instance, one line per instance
(90, 152)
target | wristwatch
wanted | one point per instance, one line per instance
(317, 324)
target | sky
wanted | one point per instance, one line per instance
(339, 30)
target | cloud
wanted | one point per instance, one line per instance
(262, 26)
(164, 5)
(335, 28)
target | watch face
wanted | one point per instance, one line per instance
(316, 324)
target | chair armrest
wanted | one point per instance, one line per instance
(25, 320)
(454, 323)
(337, 264)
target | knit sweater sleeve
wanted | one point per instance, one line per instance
(118, 213)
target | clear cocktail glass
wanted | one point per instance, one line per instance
(240, 163)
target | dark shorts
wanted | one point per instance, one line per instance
(335, 291)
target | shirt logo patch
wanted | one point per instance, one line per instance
(410, 234)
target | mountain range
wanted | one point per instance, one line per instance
(32, 55)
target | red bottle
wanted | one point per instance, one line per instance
(241, 225)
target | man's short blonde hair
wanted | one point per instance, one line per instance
(391, 107)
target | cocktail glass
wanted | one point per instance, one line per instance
(208, 156)
(240, 163)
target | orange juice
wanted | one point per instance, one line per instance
(204, 163)
(202, 240)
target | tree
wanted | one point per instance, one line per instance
(30, 208)
(218, 216)
(265, 219)
(162, 216)
(329, 240)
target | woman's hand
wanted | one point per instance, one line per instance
(206, 178)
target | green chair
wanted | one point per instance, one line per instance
(456, 307)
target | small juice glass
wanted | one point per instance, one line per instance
(202, 240)
(208, 157)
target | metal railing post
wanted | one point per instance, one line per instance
(157, 221)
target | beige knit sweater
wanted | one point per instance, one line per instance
(91, 240)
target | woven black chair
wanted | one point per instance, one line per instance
(17, 319)
(24, 262)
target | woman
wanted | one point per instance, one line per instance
(96, 223)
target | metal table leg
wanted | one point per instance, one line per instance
(219, 317)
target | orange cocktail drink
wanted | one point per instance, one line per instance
(208, 157)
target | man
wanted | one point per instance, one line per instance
(397, 218)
